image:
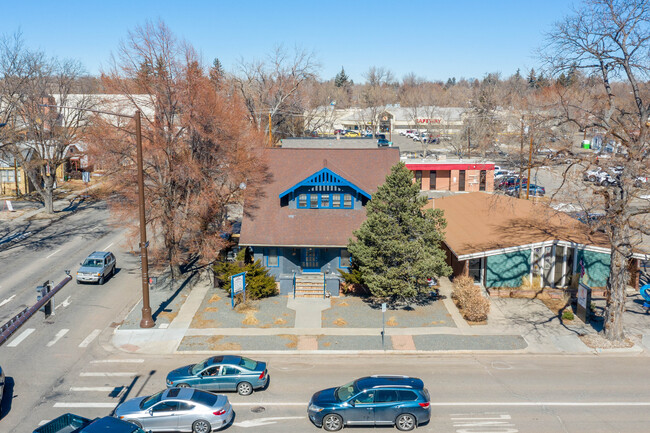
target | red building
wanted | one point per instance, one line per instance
(452, 174)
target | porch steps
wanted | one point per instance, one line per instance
(309, 285)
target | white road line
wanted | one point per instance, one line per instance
(7, 300)
(107, 247)
(63, 304)
(57, 337)
(482, 403)
(93, 388)
(104, 361)
(53, 253)
(21, 337)
(101, 374)
(85, 404)
(546, 403)
(90, 338)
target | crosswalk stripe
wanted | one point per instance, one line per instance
(86, 405)
(21, 337)
(89, 339)
(57, 337)
(132, 361)
(102, 374)
(92, 388)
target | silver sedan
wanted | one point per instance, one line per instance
(178, 409)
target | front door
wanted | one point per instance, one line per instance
(310, 262)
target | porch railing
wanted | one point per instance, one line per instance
(324, 287)
(294, 285)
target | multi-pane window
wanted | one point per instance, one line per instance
(313, 201)
(272, 257)
(336, 200)
(345, 258)
(347, 200)
(302, 200)
(325, 200)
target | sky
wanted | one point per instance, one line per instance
(434, 39)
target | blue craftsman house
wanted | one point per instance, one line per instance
(314, 201)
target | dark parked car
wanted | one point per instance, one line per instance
(401, 401)
(71, 423)
(221, 373)
(535, 190)
(382, 142)
(509, 182)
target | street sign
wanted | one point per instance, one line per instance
(10, 208)
(383, 307)
(237, 286)
(584, 302)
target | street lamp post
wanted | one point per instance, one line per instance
(147, 319)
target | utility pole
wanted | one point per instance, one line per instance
(469, 142)
(521, 152)
(530, 162)
(270, 132)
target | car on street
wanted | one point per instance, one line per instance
(221, 373)
(177, 409)
(97, 268)
(2, 386)
(401, 401)
(640, 181)
(352, 134)
(71, 423)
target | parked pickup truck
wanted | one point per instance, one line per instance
(70, 423)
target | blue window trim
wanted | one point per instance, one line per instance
(266, 256)
(326, 177)
(331, 201)
(341, 265)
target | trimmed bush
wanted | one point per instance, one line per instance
(473, 306)
(259, 284)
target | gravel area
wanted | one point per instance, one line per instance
(337, 342)
(469, 342)
(224, 342)
(165, 300)
(216, 312)
(355, 312)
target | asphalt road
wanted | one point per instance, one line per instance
(43, 351)
(469, 393)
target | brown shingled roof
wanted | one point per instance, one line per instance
(267, 223)
(479, 222)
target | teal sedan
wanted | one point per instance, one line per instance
(221, 373)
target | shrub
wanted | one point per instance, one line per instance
(567, 315)
(259, 284)
(474, 307)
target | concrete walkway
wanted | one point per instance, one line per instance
(514, 326)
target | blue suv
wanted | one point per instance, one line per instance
(401, 401)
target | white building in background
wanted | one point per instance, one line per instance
(389, 119)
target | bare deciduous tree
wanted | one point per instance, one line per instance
(609, 40)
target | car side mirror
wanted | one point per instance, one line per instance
(150, 412)
(351, 403)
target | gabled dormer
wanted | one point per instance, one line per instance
(324, 190)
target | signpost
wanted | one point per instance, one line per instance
(237, 286)
(584, 302)
(383, 324)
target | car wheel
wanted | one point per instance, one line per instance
(244, 388)
(136, 423)
(101, 280)
(591, 178)
(182, 385)
(332, 422)
(201, 426)
(405, 422)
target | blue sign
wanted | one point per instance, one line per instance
(237, 285)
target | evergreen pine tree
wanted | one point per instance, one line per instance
(532, 78)
(216, 72)
(397, 248)
(341, 79)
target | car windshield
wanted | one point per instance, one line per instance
(200, 366)
(151, 400)
(248, 363)
(93, 263)
(346, 391)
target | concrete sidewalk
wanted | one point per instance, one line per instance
(514, 326)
